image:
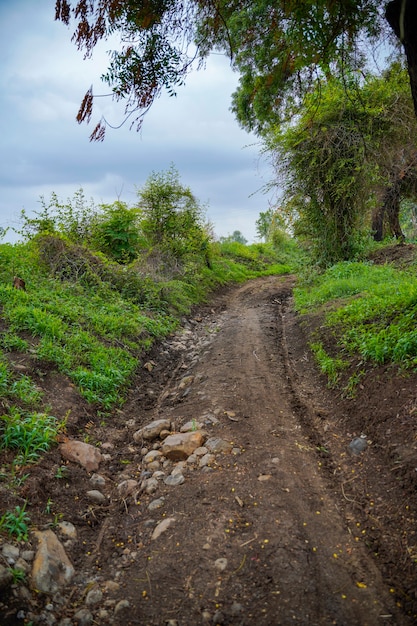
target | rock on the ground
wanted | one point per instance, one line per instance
(96, 496)
(162, 527)
(52, 569)
(152, 430)
(174, 479)
(83, 453)
(127, 487)
(6, 576)
(179, 446)
(215, 444)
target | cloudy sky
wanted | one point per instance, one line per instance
(43, 149)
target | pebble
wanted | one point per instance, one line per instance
(121, 606)
(220, 564)
(83, 617)
(207, 459)
(96, 496)
(94, 596)
(174, 480)
(151, 485)
(97, 480)
(156, 504)
(162, 527)
(10, 553)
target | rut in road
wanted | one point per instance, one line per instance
(269, 512)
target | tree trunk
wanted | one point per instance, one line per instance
(391, 208)
(401, 15)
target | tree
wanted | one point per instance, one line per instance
(279, 48)
(336, 163)
(236, 236)
(171, 216)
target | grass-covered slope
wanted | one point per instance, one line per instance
(361, 313)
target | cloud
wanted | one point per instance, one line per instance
(43, 149)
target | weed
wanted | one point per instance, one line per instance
(29, 433)
(61, 472)
(19, 575)
(16, 523)
(328, 365)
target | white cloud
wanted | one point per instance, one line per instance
(43, 149)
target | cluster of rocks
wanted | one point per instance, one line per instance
(166, 457)
(50, 571)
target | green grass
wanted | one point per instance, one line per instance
(27, 434)
(15, 523)
(373, 311)
(96, 328)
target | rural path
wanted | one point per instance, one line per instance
(269, 513)
(272, 533)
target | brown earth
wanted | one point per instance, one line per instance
(308, 533)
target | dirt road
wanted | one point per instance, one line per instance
(273, 533)
(269, 511)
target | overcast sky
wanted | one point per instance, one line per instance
(43, 149)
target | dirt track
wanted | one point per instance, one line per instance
(283, 513)
(291, 558)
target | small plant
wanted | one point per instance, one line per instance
(16, 523)
(328, 365)
(19, 575)
(29, 433)
(61, 472)
(48, 507)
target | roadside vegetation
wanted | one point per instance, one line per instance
(367, 316)
(102, 284)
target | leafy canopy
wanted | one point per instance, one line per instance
(279, 48)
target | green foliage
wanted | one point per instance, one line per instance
(235, 236)
(328, 365)
(172, 218)
(74, 219)
(278, 48)
(15, 523)
(333, 160)
(116, 234)
(373, 313)
(30, 434)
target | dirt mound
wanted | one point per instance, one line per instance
(286, 527)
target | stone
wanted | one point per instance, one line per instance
(179, 446)
(215, 444)
(121, 607)
(156, 504)
(67, 530)
(52, 569)
(151, 456)
(186, 382)
(28, 555)
(174, 480)
(152, 430)
(127, 487)
(10, 553)
(83, 617)
(220, 564)
(190, 426)
(83, 453)
(110, 586)
(358, 445)
(162, 527)
(96, 496)
(94, 596)
(6, 577)
(97, 480)
(22, 565)
(151, 485)
(207, 459)
(201, 451)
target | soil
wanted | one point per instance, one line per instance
(307, 532)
